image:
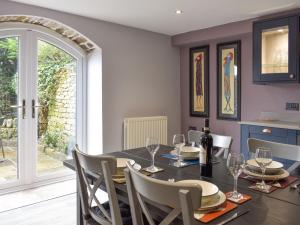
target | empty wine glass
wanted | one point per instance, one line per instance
(263, 157)
(152, 145)
(235, 165)
(179, 142)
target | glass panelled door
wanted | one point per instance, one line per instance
(54, 107)
(9, 108)
(38, 107)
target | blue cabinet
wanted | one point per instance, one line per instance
(276, 50)
(286, 136)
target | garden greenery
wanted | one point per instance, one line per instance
(53, 66)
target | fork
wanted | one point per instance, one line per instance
(295, 186)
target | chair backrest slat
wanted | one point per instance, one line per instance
(219, 141)
(143, 188)
(284, 151)
(100, 167)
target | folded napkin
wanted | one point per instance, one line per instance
(271, 189)
(120, 179)
(242, 200)
(188, 162)
(279, 183)
(210, 215)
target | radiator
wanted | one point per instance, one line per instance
(136, 130)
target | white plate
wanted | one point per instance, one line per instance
(121, 162)
(281, 175)
(273, 168)
(208, 189)
(213, 205)
(187, 157)
(190, 149)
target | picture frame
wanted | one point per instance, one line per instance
(229, 80)
(199, 81)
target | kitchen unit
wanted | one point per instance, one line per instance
(276, 50)
(276, 131)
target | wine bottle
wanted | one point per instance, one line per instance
(205, 157)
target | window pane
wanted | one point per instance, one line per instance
(9, 77)
(57, 111)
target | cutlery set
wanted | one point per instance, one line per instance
(233, 216)
(295, 187)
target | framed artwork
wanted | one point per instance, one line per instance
(229, 80)
(199, 81)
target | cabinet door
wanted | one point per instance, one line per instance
(276, 50)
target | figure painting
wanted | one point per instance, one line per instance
(228, 102)
(228, 79)
(199, 81)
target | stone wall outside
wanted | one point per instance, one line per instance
(63, 114)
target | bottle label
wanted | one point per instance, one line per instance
(202, 155)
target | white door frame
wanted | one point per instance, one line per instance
(29, 34)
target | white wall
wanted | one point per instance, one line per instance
(140, 70)
(94, 103)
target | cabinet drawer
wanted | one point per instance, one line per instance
(268, 131)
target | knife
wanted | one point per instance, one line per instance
(234, 216)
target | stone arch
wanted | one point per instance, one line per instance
(91, 131)
(55, 26)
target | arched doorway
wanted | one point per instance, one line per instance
(41, 104)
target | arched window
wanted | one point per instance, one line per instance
(42, 103)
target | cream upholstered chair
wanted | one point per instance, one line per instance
(222, 143)
(183, 198)
(101, 167)
(279, 150)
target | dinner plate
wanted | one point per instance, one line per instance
(185, 157)
(121, 162)
(190, 150)
(208, 189)
(274, 168)
(221, 199)
(121, 165)
(279, 176)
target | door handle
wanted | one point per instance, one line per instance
(33, 106)
(23, 107)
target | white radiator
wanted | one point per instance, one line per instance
(136, 130)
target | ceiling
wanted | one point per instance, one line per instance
(159, 15)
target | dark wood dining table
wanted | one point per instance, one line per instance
(280, 207)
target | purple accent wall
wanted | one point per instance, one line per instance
(255, 98)
(140, 70)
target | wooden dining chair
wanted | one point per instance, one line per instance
(220, 142)
(279, 150)
(183, 199)
(101, 167)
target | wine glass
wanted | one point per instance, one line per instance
(263, 157)
(235, 165)
(179, 142)
(152, 145)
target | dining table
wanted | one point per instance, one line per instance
(280, 207)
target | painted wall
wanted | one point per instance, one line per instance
(255, 98)
(140, 70)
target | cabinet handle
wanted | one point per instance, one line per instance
(267, 130)
(292, 76)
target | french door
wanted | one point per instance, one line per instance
(40, 106)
